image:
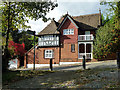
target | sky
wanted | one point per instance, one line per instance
(73, 7)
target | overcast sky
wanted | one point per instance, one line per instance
(73, 7)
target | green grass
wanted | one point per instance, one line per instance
(13, 76)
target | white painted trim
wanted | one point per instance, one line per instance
(62, 23)
(65, 20)
(61, 63)
(40, 65)
(85, 42)
(85, 48)
(73, 22)
(85, 37)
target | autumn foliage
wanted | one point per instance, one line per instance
(16, 49)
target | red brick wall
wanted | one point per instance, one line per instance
(25, 61)
(66, 41)
(18, 63)
(67, 55)
(39, 57)
(68, 38)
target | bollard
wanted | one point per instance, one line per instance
(118, 60)
(84, 65)
(51, 68)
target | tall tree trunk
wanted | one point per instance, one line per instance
(6, 55)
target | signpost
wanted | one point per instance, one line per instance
(32, 33)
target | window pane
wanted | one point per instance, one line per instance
(48, 53)
(68, 31)
(81, 48)
(88, 48)
(87, 32)
(72, 47)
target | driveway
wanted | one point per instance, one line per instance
(67, 77)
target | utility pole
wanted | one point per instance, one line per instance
(34, 52)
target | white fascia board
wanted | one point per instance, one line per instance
(72, 22)
(62, 23)
(65, 20)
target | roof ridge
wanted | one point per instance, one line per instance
(86, 15)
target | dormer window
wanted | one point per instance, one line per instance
(68, 32)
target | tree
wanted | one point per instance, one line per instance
(103, 41)
(14, 16)
(27, 39)
(17, 49)
(108, 36)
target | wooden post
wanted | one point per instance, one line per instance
(51, 68)
(84, 65)
(118, 60)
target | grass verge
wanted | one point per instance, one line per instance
(13, 76)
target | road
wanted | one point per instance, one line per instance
(66, 77)
(109, 63)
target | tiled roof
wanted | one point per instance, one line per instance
(84, 22)
(50, 29)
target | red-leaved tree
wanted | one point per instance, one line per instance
(16, 49)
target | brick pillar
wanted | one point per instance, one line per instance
(25, 61)
(18, 62)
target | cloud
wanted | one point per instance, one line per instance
(73, 8)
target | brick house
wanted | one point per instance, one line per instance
(65, 41)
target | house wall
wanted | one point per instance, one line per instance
(81, 32)
(92, 32)
(66, 41)
(39, 56)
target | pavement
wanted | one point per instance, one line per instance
(72, 67)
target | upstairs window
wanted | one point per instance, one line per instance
(48, 53)
(87, 32)
(68, 32)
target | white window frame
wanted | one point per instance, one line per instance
(72, 47)
(68, 32)
(87, 32)
(48, 54)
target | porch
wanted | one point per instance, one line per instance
(85, 49)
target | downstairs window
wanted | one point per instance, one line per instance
(48, 54)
